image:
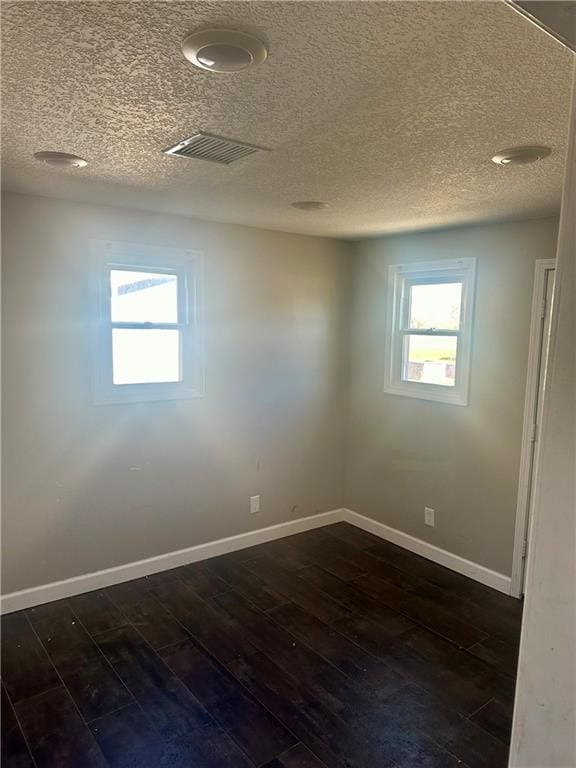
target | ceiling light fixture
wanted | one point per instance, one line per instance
(61, 159)
(223, 50)
(309, 205)
(521, 155)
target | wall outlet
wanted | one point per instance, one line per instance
(254, 504)
(429, 516)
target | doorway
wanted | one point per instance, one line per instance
(535, 389)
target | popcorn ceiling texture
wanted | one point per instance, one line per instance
(389, 111)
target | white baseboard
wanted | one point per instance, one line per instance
(441, 556)
(27, 598)
(57, 590)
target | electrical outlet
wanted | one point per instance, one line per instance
(429, 516)
(254, 504)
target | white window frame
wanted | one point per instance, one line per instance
(400, 278)
(188, 266)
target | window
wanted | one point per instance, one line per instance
(147, 342)
(430, 330)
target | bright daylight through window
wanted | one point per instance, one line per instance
(148, 342)
(145, 332)
(430, 330)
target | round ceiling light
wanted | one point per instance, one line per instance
(521, 155)
(61, 159)
(223, 50)
(309, 205)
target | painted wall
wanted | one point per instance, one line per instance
(88, 487)
(294, 406)
(403, 453)
(544, 729)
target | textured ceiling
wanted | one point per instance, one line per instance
(389, 111)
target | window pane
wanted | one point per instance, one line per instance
(435, 305)
(430, 359)
(145, 356)
(143, 297)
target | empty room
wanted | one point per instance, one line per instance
(288, 399)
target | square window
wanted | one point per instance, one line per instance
(145, 355)
(148, 341)
(430, 330)
(435, 305)
(143, 297)
(430, 359)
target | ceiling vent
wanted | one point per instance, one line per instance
(216, 149)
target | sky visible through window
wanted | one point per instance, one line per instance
(436, 305)
(432, 359)
(144, 355)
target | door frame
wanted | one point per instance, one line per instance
(530, 444)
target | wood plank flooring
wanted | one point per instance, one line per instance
(328, 649)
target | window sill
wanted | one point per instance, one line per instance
(146, 393)
(427, 392)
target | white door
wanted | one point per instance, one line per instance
(535, 391)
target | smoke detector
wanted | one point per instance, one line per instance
(61, 159)
(521, 155)
(223, 50)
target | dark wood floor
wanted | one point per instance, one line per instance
(329, 648)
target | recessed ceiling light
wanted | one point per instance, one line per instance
(223, 50)
(309, 205)
(61, 159)
(520, 155)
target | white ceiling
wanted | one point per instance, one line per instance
(389, 111)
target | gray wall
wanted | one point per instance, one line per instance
(294, 406)
(403, 453)
(88, 487)
(544, 732)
